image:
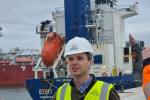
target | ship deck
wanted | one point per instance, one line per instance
(133, 94)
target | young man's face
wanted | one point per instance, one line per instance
(79, 65)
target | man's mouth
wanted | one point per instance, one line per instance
(74, 68)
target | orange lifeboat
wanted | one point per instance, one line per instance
(23, 60)
(5, 62)
(51, 47)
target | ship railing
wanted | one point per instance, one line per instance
(102, 40)
(59, 9)
(123, 7)
(99, 23)
(46, 29)
(39, 31)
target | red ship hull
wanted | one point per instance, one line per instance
(17, 74)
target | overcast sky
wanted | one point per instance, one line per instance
(19, 19)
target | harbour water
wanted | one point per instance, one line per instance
(14, 93)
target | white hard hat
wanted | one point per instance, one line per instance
(78, 45)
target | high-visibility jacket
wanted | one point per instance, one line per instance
(100, 91)
(146, 81)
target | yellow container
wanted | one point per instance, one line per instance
(114, 71)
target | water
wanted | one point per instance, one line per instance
(14, 93)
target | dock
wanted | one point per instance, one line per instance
(133, 94)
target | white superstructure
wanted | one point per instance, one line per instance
(108, 38)
(109, 34)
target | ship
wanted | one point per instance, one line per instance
(17, 65)
(101, 22)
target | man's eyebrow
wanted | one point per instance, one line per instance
(79, 56)
(69, 57)
(76, 56)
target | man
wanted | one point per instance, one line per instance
(146, 72)
(83, 86)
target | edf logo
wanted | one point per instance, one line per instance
(73, 48)
(94, 92)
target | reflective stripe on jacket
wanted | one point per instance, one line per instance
(146, 81)
(100, 91)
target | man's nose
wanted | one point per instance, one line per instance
(75, 61)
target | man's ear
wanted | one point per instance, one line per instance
(91, 62)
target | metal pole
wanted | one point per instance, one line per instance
(36, 75)
(44, 74)
(56, 62)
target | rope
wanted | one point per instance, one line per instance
(51, 84)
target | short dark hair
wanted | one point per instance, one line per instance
(89, 56)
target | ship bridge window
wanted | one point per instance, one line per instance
(126, 51)
(97, 59)
(47, 38)
(3, 69)
(126, 59)
(51, 38)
